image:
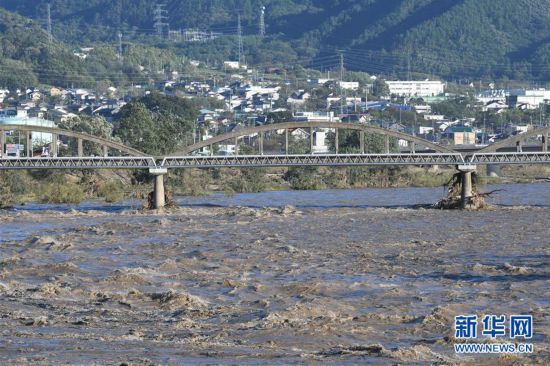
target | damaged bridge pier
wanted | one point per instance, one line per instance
(466, 172)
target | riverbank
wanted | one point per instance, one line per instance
(113, 186)
(230, 285)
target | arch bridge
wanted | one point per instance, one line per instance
(125, 157)
(526, 148)
(421, 151)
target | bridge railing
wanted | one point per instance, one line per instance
(101, 162)
(312, 160)
(510, 158)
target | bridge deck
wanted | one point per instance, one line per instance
(110, 162)
(312, 160)
(511, 158)
(173, 162)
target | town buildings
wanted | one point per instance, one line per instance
(424, 88)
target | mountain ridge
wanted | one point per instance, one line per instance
(453, 39)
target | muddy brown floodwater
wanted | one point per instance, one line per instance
(233, 285)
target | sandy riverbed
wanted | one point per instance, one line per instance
(248, 286)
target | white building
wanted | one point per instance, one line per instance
(232, 65)
(227, 149)
(423, 109)
(423, 130)
(319, 141)
(533, 97)
(316, 116)
(320, 81)
(248, 91)
(434, 117)
(425, 88)
(488, 96)
(349, 85)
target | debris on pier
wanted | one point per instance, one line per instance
(454, 201)
(150, 201)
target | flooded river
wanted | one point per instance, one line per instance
(344, 276)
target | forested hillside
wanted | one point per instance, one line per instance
(448, 38)
(27, 58)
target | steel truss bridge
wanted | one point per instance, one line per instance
(422, 152)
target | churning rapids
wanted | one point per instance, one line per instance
(341, 277)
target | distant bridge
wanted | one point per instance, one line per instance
(421, 152)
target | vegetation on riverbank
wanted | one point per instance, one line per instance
(75, 186)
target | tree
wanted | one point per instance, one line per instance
(157, 124)
(380, 88)
(92, 125)
(136, 127)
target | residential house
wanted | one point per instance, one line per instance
(299, 97)
(497, 106)
(355, 118)
(55, 92)
(460, 135)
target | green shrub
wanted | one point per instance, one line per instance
(111, 191)
(248, 181)
(63, 193)
(6, 195)
(304, 178)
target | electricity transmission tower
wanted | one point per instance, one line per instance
(262, 21)
(50, 36)
(160, 20)
(240, 38)
(120, 46)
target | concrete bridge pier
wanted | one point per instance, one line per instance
(467, 188)
(159, 200)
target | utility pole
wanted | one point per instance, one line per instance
(341, 80)
(262, 21)
(341, 67)
(50, 36)
(240, 38)
(483, 135)
(366, 98)
(160, 17)
(409, 65)
(414, 126)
